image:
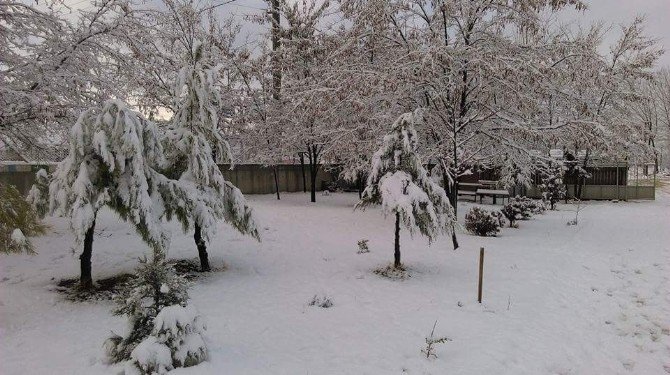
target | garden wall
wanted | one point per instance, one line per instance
(249, 178)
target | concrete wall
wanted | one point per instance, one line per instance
(250, 178)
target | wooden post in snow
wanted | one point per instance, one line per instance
(481, 274)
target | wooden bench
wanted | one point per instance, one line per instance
(468, 193)
(469, 189)
(492, 193)
(489, 184)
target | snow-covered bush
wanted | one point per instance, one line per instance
(398, 182)
(552, 186)
(482, 222)
(324, 302)
(38, 196)
(363, 246)
(518, 208)
(175, 341)
(200, 196)
(532, 206)
(155, 287)
(17, 220)
(111, 162)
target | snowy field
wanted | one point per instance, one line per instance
(558, 299)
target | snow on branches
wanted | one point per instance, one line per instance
(164, 331)
(111, 161)
(401, 185)
(193, 140)
(398, 182)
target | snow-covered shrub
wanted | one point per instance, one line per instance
(155, 287)
(324, 302)
(482, 222)
(198, 196)
(175, 341)
(17, 220)
(38, 196)
(399, 182)
(552, 186)
(531, 206)
(363, 246)
(518, 208)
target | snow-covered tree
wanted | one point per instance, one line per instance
(164, 332)
(18, 219)
(400, 184)
(38, 196)
(193, 142)
(55, 62)
(111, 162)
(175, 341)
(553, 189)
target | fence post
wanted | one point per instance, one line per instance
(481, 274)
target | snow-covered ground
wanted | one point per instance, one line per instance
(558, 299)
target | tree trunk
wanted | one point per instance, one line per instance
(313, 154)
(360, 185)
(302, 169)
(86, 280)
(276, 45)
(396, 253)
(274, 172)
(454, 240)
(314, 170)
(202, 249)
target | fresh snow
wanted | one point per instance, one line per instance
(18, 237)
(558, 299)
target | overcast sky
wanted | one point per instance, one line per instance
(656, 13)
(610, 12)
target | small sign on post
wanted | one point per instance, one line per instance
(481, 274)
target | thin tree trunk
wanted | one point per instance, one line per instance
(396, 253)
(274, 172)
(360, 185)
(313, 154)
(202, 249)
(302, 169)
(314, 170)
(86, 280)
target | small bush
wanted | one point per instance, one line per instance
(324, 302)
(363, 247)
(516, 209)
(483, 223)
(532, 206)
(38, 196)
(17, 220)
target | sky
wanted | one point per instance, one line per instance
(610, 12)
(618, 12)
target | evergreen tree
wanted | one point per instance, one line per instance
(398, 181)
(155, 286)
(201, 195)
(111, 160)
(38, 196)
(553, 189)
(17, 220)
(164, 332)
(175, 341)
